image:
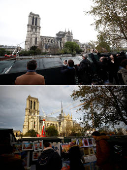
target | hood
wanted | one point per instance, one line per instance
(47, 152)
(85, 61)
(102, 137)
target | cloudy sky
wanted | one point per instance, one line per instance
(55, 16)
(13, 103)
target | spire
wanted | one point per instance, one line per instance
(65, 29)
(61, 109)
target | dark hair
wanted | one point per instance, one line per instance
(46, 144)
(103, 134)
(124, 63)
(95, 133)
(70, 63)
(74, 153)
(31, 65)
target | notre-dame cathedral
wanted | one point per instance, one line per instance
(34, 121)
(45, 43)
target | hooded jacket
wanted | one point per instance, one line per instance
(102, 150)
(48, 160)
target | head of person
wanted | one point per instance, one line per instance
(70, 63)
(101, 59)
(124, 63)
(46, 144)
(32, 65)
(84, 56)
(95, 134)
(111, 57)
(74, 153)
(65, 62)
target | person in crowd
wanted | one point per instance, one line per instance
(8, 159)
(75, 158)
(49, 159)
(121, 56)
(113, 68)
(65, 63)
(31, 77)
(102, 151)
(68, 73)
(85, 71)
(122, 73)
(101, 67)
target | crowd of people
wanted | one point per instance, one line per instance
(108, 70)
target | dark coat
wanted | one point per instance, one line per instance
(85, 72)
(113, 69)
(49, 160)
(101, 68)
(75, 157)
(68, 75)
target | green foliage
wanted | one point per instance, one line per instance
(103, 43)
(31, 133)
(33, 48)
(103, 105)
(2, 51)
(51, 131)
(33, 51)
(110, 16)
(71, 47)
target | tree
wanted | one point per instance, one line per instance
(103, 43)
(110, 16)
(72, 47)
(51, 131)
(109, 104)
(31, 133)
(2, 51)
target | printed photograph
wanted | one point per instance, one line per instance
(27, 146)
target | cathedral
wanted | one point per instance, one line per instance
(45, 43)
(34, 121)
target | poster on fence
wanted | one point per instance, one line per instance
(65, 147)
(85, 143)
(27, 145)
(17, 147)
(38, 145)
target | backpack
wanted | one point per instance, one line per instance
(47, 162)
(44, 162)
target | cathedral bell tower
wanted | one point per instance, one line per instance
(31, 115)
(33, 31)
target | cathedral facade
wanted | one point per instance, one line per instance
(34, 121)
(45, 43)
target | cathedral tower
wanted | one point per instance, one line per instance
(31, 115)
(33, 31)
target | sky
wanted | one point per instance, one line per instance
(55, 16)
(13, 103)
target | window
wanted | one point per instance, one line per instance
(36, 21)
(34, 105)
(33, 20)
(36, 41)
(30, 104)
